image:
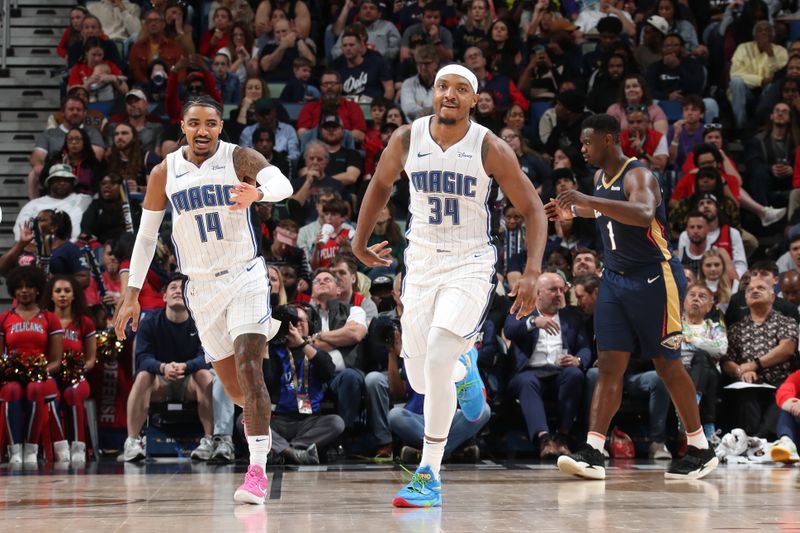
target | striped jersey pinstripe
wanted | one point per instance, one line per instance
(208, 236)
(449, 190)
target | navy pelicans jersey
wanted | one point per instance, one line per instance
(627, 247)
(208, 236)
(449, 190)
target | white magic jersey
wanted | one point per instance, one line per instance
(208, 236)
(449, 190)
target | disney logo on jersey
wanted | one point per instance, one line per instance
(464, 155)
(201, 196)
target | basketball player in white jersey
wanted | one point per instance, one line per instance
(210, 186)
(450, 260)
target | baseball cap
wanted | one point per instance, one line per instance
(192, 76)
(659, 23)
(383, 281)
(60, 171)
(138, 93)
(264, 105)
(331, 119)
(225, 52)
(562, 24)
(707, 196)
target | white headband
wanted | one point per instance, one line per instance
(458, 70)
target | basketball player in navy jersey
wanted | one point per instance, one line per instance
(640, 297)
(450, 277)
(210, 186)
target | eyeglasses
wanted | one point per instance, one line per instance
(712, 126)
(636, 108)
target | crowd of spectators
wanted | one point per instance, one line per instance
(707, 97)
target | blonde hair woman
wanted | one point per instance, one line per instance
(276, 282)
(714, 270)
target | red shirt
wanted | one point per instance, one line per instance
(28, 336)
(210, 50)
(329, 250)
(685, 186)
(789, 389)
(81, 71)
(150, 296)
(92, 292)
(350, 113)
(650, 142)
(76, 333)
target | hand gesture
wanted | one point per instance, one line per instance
(555, 213)
(289, 40)
(218, 34)
(433, 32)
(547, 324)
(244, 195)
(567, 199)
(636, 144)
(128, 311)
(242, 53)
(375, 255)
(26, 233)
(525, 294)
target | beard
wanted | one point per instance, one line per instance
(446, 121)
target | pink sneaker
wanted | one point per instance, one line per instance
(254, 488)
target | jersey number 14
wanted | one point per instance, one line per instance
(209, 223)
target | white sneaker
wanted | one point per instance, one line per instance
(134, 450)
(772, 215)
(61, 448)
(204, 450)
(15, 454)
(223, 450)
(784, 451)
(30, 454)
(77, 452)
(659, 452)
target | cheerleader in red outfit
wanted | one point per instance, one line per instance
(32, 339)
(66, 299)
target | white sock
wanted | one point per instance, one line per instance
(459, 372)
(259, 446)
(432, 453)
(697, 439)
(596, 441)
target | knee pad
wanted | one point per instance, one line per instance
(444, 346)
(11, 392)
(415, 373)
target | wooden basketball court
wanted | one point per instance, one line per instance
(173, 496)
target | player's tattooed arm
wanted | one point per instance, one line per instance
(247, 163)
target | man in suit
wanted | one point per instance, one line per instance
(551, 351)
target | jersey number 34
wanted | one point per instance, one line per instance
(438, 211)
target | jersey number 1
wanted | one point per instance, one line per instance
(211, 225)
(611, 235)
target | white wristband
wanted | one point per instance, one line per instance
(274, 186)
(144, 247)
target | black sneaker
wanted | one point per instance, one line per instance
(586, 462)
(695, 464)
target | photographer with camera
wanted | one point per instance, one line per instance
(296, 374)
(407, 422)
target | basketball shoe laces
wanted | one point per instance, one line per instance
(461, 387)
(418, 482)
